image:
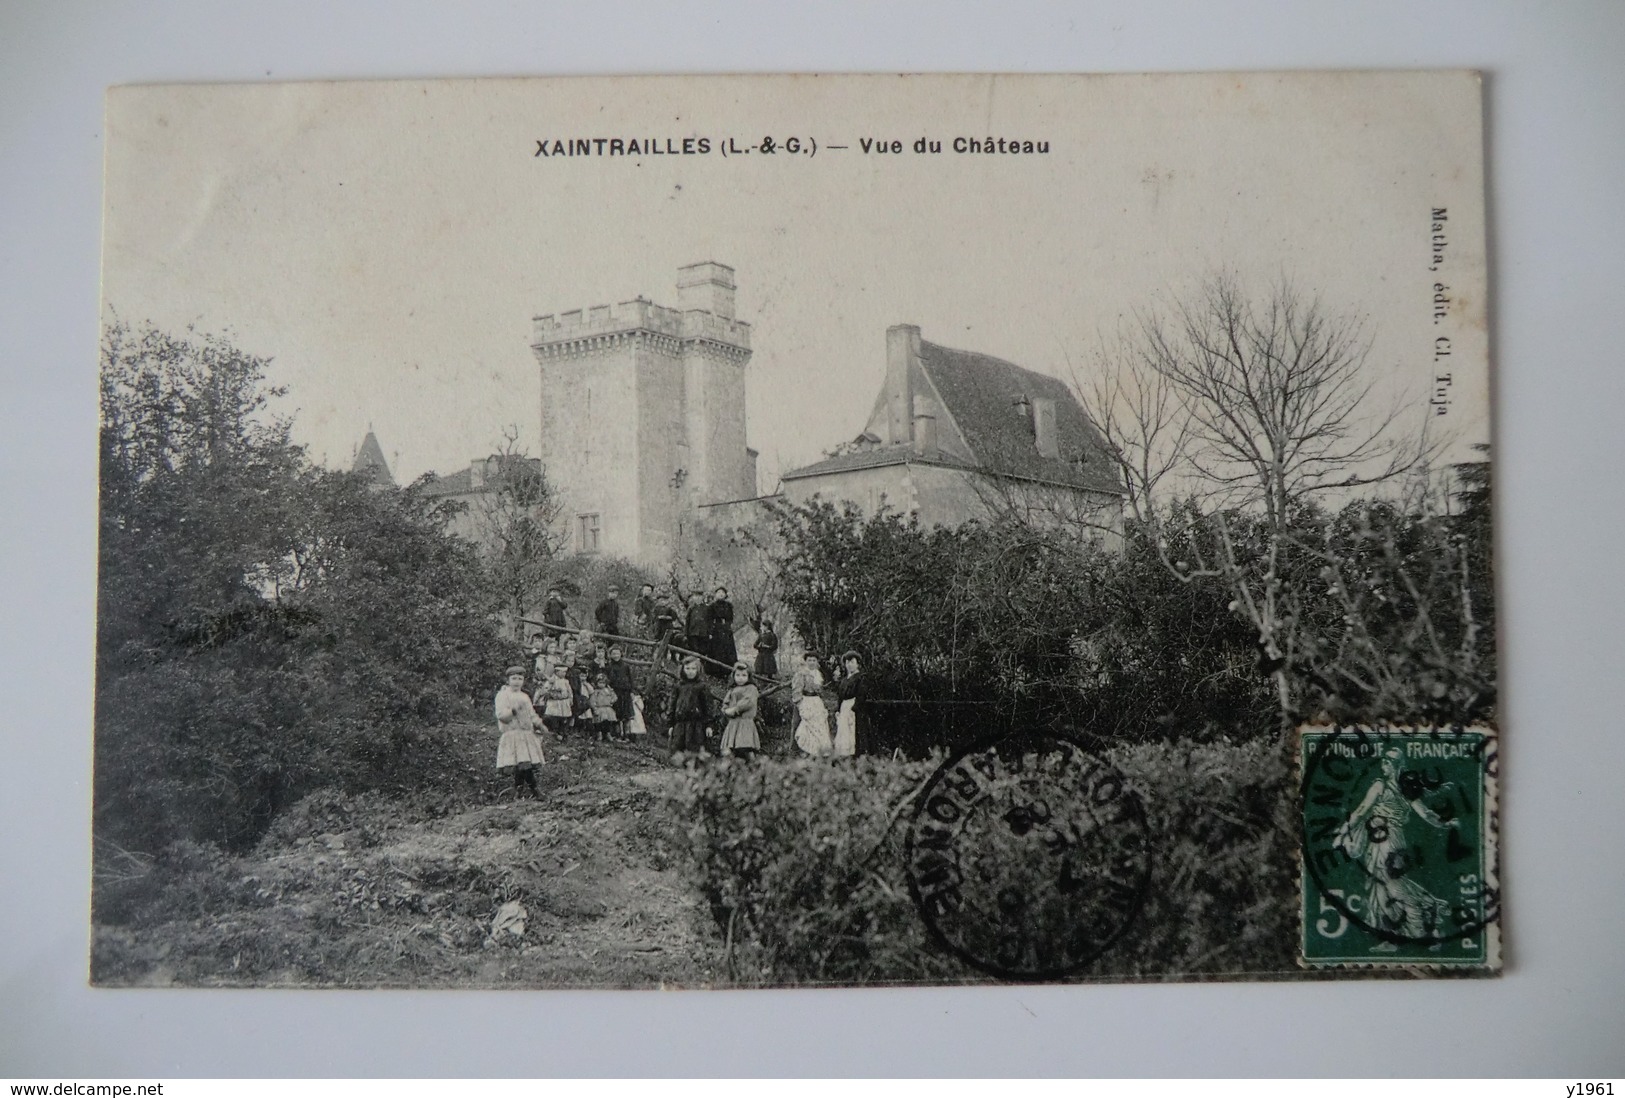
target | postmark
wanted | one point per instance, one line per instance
(1399, 858)
(1028, 857)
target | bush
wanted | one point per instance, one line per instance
(264, 627)
(803, 866)
(801, 863)
(971, 630)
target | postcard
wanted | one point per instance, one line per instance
(695, 532)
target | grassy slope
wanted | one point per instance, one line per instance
(374, 892)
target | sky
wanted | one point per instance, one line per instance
(387, 244)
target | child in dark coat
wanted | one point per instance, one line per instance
(619, 674)
(691, 710)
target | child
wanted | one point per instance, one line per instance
(619, 673)
(519, 752)
(767, 651)
(602, 701)
(741, 738)
(558, 698)
(812, 733)
(581, 690)
(689, 712)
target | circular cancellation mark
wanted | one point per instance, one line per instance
(1028, 857)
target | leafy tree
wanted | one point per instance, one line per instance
(264, 626)
(984, 626)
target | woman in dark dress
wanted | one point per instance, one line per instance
(850, 715)
(722, 631)
(767, 651)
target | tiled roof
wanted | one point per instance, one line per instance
(461, 482)
(453, 484)
(874, 458)
(979, 393)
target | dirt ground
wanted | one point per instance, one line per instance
(583, 887)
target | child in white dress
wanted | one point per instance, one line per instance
(519, 752)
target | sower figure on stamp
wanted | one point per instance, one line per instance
(519, 752)
(812, 719)
(1374, 836)
(850, 717)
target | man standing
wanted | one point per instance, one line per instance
(665, 620)
(553, 611)
(643, 611)
(697, 627)
(608, 614)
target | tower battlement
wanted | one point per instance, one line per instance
(554, 332)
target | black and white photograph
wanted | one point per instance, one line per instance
(781, 531)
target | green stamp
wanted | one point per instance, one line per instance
(1399, 859)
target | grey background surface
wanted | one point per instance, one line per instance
(1556, 158)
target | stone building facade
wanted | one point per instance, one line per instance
(956, 435)
(485, 488)
(643, 414)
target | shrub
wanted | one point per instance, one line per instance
(264, 627)
(803, 866)
(971, 630)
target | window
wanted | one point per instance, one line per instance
(587, 530)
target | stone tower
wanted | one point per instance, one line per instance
(643, 413)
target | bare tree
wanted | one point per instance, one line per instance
(1254, 407)
(1280, 401)
(1142, 416)
(516, 522)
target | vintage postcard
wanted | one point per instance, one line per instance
(805, 530)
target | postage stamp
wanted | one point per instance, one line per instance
(1399, 847)
(1028, 857)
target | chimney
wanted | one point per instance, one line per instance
(708, 287)
(476, 473)
(902, 348)
(1044, 428)
(925, 427)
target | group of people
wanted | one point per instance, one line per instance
(704, 628)
(813, 734)
(580, 687)
(583, 684)
(586, 685)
